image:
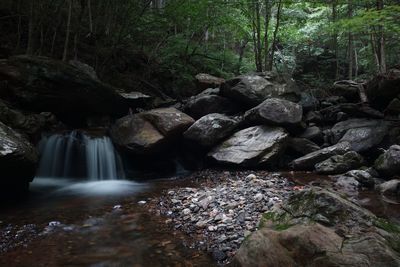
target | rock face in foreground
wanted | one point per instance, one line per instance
(211, 129)
(319, 228)
(149, 132)
(388, 164)
(18, 159)
(252, 147)
(275, 111)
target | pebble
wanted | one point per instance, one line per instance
(142, 202)
(226, 211)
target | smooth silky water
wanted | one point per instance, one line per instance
(83, 211)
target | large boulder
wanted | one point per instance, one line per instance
(309, 161)
(388, 164)
(252, 147)
(347, 89)
(319, 228)
(383, 88)
(43, 84)
(210, 129)
(252, 89)
(340, 128)
(204, 81)
(27, 123)
(391, 187)
(302, 146)
(201, 105)
(343, 111)
(18, 160)
(312, 133)
(340, 163)
(275, 111)
(365, 138)
(150, 132)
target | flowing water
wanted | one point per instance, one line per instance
(82, 212)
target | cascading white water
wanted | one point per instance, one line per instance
(76, 154)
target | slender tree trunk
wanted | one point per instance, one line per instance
(381, 42)
(335, 39)
(258, 28)
(31, 28)
(268, 7)
(273, 46)
(90, 17)
(350, 42)
(375, 52)
(65, 53)
(355, 63)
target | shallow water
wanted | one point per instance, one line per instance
(73, 223)
(69, 222)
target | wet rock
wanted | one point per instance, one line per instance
(211, 129)
(330, 114)
(340, 163)
(319, 228)
(363, 177)
(313, 133)
(254, 146)
(275, 111)
(204, 81)
(393, 108)
(347, 89)
(252, 89)
(383, 88)
(309, 161)
(308, 101)
(302, 146)
(18, 161)
(365, 138)
(199, 106)
(340, 128)
(39, 83)
(391, 187)
(388, 164)
(150, 132)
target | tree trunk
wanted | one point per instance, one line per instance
(65, 53)
(268, 8)
(90, 17)
(258, 28)
(381, 42)
(335, 39)
(273, 46)
(350, 42)
(31, 28)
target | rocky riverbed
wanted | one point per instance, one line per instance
(225, 209)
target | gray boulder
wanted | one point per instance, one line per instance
(340, 163)
(18, 160)
(275, 111)
(319, 228)
(364, 177)
(365, 138)
(151, 131)
(340, 128)
(312, 133)
(252, 89)
(391, 187)
(309, 161)
(201, 105)
(388, 164)
(302, 146)
(44, 84)
(210, 129)
(251, 147)
(347, 89)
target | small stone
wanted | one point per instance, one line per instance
(258, 197)
(251, 177)
(186, 211)
(142, 202)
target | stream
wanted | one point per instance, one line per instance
(105, 220)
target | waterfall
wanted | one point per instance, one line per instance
(77, 154)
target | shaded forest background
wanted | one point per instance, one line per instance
(163, 44)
